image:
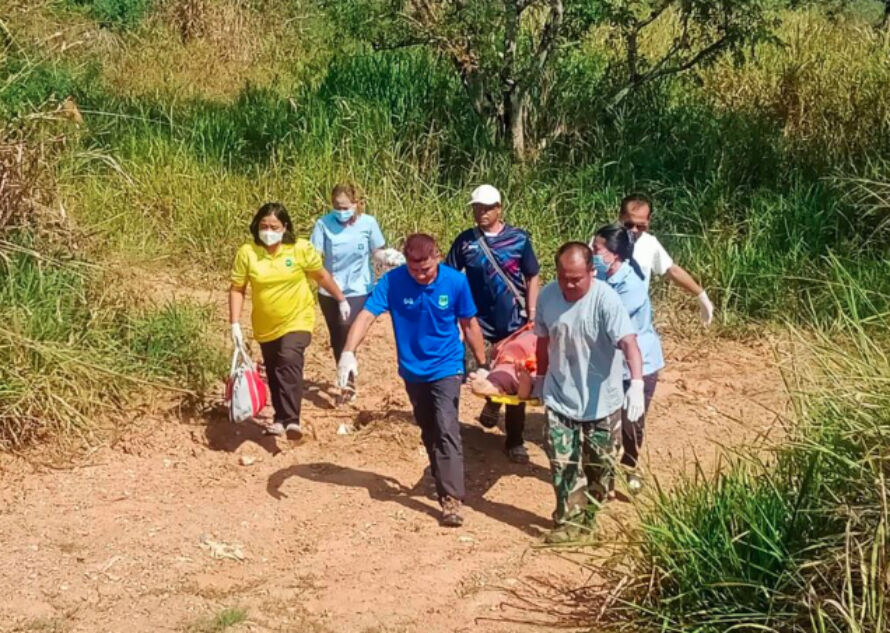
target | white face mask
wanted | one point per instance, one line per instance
(271, 238)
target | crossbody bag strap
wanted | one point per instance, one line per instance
(483, 244)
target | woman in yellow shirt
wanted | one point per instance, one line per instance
(278, 267)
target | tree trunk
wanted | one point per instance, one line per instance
(511, 93)
(516, 124)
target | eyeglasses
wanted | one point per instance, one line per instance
(640, 226)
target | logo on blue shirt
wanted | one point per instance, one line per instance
(443, 301)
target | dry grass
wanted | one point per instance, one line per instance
(183, 49)
(826, 83)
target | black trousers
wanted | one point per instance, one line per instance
(632, 432)
(436, 407)
(283, 359)
(337, 327)
(514, 415)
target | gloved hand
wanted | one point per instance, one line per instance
(635, 401)
(394, 257)
(706, 309)
(481, 373)
(345, 310)
(237, 335)
(389, 257)
(347, 365)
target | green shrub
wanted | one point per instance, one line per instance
(28, 86)
(117, 13)
(171, 342)
(72, 352)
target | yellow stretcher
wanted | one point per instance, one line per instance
(506, 398)
(509, 399)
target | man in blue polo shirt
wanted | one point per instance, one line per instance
(502, 269)
(430, 304)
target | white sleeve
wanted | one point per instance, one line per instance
(661, 261)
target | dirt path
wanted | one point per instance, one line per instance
(337, 534)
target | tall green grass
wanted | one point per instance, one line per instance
(75, 349)
(116, 13)
(754, 205)
(793, 539)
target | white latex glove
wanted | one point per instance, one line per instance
(347, 365)
(394, 257)
(706, 309)
(481, 373)
(237, 335)
(345, 310)
(634, 400)
(389, 257)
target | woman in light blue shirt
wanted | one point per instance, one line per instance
(614, 263)
(348, 239)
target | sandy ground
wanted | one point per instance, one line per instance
(337, 533)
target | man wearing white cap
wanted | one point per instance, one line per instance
(502, 270)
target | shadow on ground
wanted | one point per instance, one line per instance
(485, 465)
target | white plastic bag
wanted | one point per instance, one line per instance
(245, 389)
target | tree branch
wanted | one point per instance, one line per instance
(406, 43)
(550, 34)
(512, 15)
(656, 13)
(711, 49)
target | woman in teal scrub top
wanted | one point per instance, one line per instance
(348, 239)
(614, 264)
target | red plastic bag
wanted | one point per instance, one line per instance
(245, 389)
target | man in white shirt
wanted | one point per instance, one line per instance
(635, 214)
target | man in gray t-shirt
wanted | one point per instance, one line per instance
(582, 330)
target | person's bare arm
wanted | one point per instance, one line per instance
(533, 287)
(542, 358)
(679, 276)
(632, 355)
(359, 329)
(236, 302)
(324, 280)
(473, 337)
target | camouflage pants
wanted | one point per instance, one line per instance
(583, 458)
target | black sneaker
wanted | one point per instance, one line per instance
(489, 415)
(517, 454)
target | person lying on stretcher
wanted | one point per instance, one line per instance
(512, 368)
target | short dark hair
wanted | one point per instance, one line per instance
(620, 242)
(420, 247)
(275, 209)
(635, 199)
(575, 248)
